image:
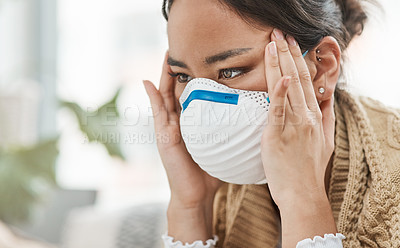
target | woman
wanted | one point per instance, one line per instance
(330, 159)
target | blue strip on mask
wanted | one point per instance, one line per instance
(213, 96)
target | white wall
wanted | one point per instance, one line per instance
(374, 57)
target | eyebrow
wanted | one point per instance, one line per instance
(225, 55)
(174, 62)
(212, 59)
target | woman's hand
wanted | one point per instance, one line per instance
(297, 143)
(192, 189)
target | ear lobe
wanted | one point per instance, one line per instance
(327, 64)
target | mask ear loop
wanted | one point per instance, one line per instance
(304, 54)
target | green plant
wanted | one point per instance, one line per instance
(100, 125)
(25, 175)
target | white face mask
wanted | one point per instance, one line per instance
(222, 129)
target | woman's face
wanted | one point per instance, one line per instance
(208, 40)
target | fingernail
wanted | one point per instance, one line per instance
(272, 48)
(291, 40)
(278, 34)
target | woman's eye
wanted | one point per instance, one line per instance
(183, 78)
(230, 73)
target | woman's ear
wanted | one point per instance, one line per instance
(326, 58)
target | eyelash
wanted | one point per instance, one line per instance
(242, 72)
(177, 75)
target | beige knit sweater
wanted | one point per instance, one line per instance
(364, 189)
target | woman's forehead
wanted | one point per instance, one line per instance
(206, 25)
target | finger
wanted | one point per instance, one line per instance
(272, 69)
(304, 73)
(157, 104)
(277, 109)
(328, 119)
(288, 67)
(167, 87)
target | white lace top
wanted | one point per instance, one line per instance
(328, 241)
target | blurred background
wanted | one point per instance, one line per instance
(78, 160)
